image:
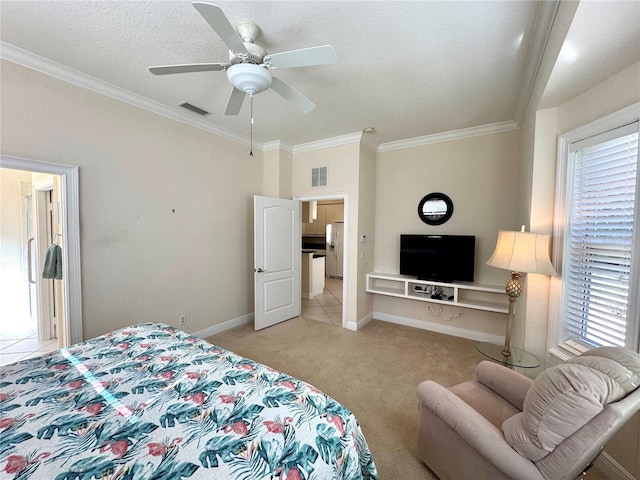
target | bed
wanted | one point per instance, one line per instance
(153, 402)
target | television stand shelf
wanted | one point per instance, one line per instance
(491, 298)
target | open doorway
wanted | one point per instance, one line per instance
(323, 245)
(30, 306)
(39, 208)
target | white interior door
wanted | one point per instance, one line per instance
(277, 256)
(44, 287)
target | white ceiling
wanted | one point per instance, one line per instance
(604, 38)
(407, 68)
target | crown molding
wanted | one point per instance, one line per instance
(449, 136)
(48, 67)
(553, 21)
(546, 12)
(328, 142)
(366, 140)
(277, 145)
(336, 141)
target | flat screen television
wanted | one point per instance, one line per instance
(440, 258)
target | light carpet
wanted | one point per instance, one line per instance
(373, 372)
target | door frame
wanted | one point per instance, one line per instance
(70, 219)
(345, 246)
(44, 287)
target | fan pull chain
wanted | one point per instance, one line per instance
(251, 147)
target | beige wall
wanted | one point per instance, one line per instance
(479, 174)
(14, 287)
(276, 181)
(166, 209)
(613, 94)
(342, 164)
(271, 177)
(538, 152)
(366, 228)
(11, 244)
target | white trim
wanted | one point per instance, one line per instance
(48, 67)
(368, 142)
(543, 26)
(35, 62)
(449, 136)
(224, 326)
(362, 322)
(345, 256)
(277, 145)
(70, 214)
(612, 469)
(609, 122)
(44, 289)
(439, 328)
(560, 354)
(328, 142)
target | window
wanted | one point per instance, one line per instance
(600, 240)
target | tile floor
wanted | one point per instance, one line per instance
(326, 307)
(20, 341)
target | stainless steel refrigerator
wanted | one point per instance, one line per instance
(335, 249)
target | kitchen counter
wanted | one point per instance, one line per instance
(316, 253)
(312, 274)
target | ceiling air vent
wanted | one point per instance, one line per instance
(319, 177)
(193, 108)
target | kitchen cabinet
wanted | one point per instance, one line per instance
(309, 211)
(326, 213)
(321, 223)
(338, 213)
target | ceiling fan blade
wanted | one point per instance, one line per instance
(215, 17)
(305, 57)
(188, 68)
(235, 102)
(291, 94)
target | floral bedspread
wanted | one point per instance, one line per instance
(153, 402)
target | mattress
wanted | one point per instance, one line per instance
(153, 402)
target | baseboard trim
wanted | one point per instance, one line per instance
(224, 326)
(612, 469)
(355, 326)
(439, 328)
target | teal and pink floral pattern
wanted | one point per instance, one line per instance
(153, 402)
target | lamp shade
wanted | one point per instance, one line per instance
(522, 252)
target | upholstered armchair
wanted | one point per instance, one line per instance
(504, 425)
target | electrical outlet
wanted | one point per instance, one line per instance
(182, 319)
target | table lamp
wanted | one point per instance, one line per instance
(520, 252)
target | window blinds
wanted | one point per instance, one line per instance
(600, 237)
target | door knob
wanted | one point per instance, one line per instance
(259, 270)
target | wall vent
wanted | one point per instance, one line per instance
(193, 108)
(319, 177)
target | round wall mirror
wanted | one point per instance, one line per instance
(435, 208)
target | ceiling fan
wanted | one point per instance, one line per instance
(249, 68)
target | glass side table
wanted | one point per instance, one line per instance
(518, 358)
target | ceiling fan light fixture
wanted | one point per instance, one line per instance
(249, 78)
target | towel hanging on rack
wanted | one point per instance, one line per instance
(53, 262)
